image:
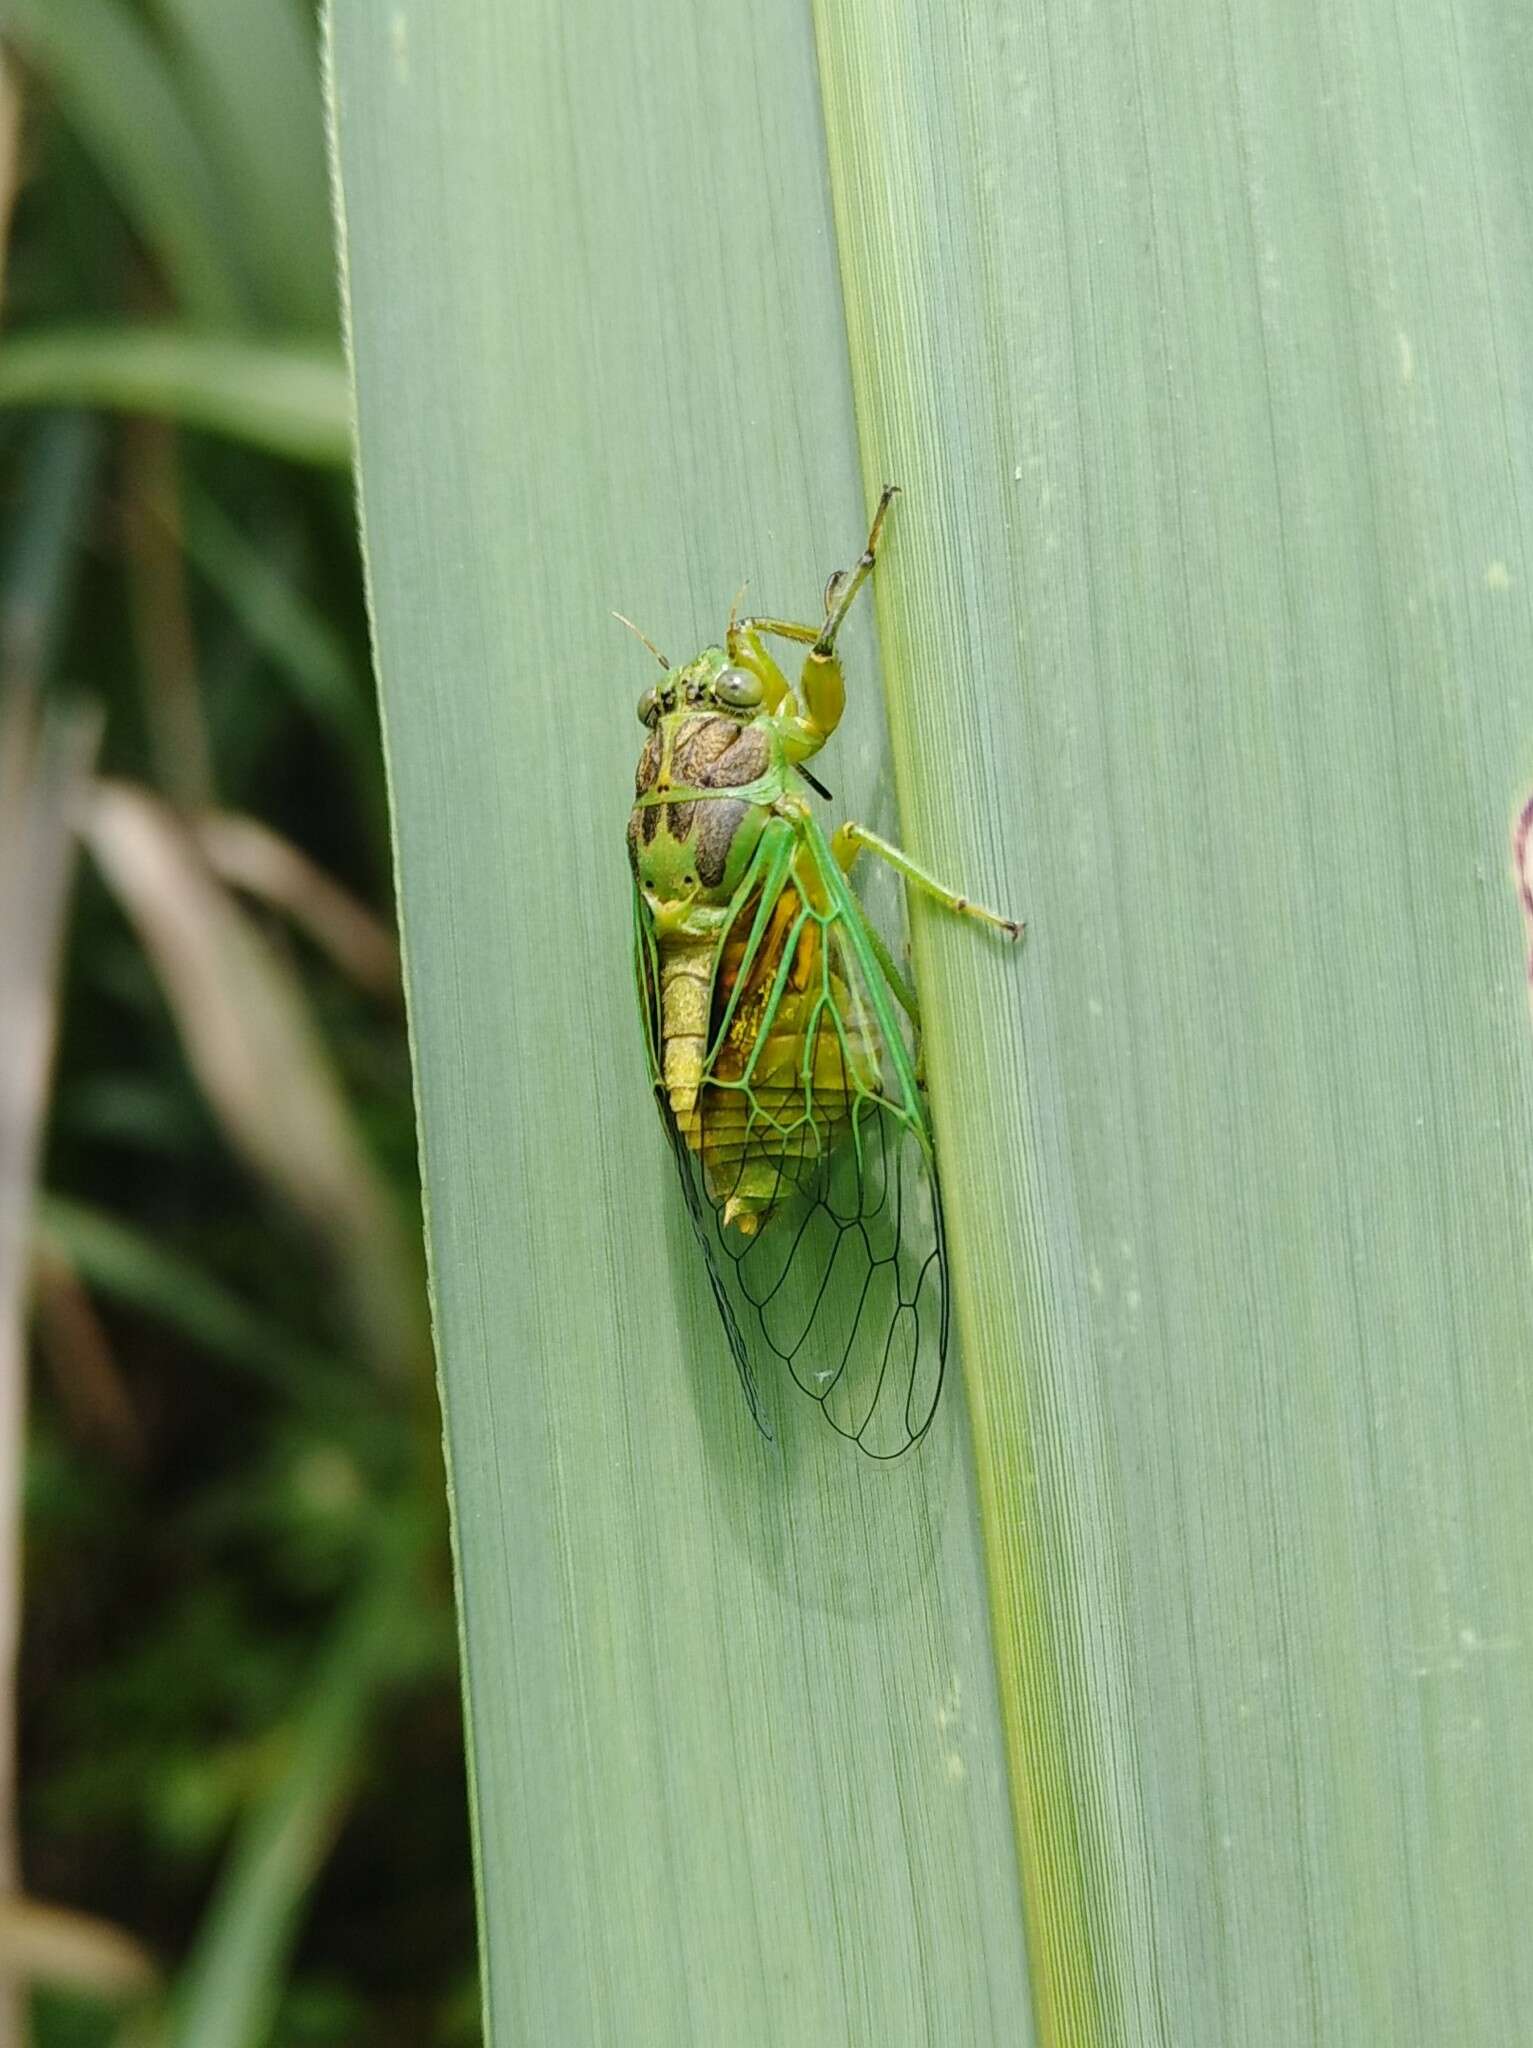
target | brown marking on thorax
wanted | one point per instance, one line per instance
(644, 824)
(714, 752)
(707, 751)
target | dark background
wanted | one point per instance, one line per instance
(239, 1737)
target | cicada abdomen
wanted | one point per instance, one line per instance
(789, 1051)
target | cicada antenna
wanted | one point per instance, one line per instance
(654, 650)
(734, 609)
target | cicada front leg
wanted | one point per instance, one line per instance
(821, 685)
(844, 584)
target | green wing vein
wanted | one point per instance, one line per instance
(805, 1157)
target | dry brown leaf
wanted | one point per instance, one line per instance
(257, 1055)
(250, 857)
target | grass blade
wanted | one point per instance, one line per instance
(288, 398)
(54, 1946)
(112, 83)
(309, 651)
(44, 547)
(46, 753)
(117, 1261)
(228, 1992)
(1210, 648)
(255, 1050)
(1208, 632)
(733, 1707)
(44, 765)
(252, 80)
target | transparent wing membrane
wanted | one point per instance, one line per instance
(805, 1158)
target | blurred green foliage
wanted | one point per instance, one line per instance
(240, 1736)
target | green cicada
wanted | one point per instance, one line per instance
(784, 1074)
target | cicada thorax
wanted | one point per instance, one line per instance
(694, 851)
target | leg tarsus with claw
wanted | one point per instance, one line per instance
(850, 838)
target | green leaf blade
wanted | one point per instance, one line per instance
(111, 79)
(1206, 629)
(733, 1703)
(253, 84)
(289, 398)
(1208, 651)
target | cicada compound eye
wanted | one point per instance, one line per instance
(649, 708)
(738, 688)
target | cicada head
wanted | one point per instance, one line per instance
(711, 683)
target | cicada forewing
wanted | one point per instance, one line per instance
(806, 1156)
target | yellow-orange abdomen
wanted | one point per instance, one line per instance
(781, 1089)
